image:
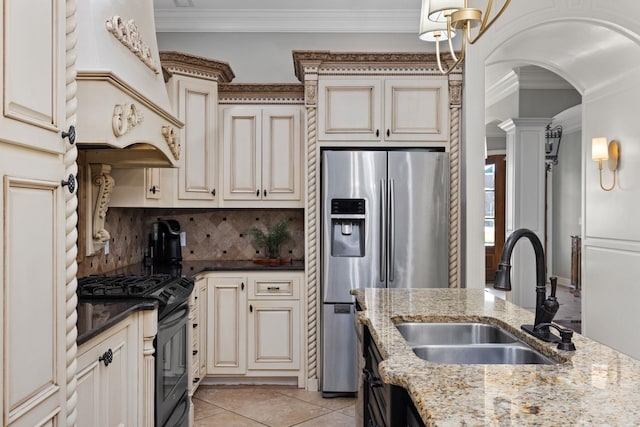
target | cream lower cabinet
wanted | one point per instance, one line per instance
(390, 109)
(197, 340)
(262, 156)
(255, 325)
(114, 386)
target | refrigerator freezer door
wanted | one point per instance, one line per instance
(339, 349)
(356, 176)
(419, 219)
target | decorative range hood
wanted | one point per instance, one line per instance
(124, 115)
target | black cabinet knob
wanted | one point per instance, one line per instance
(153, 189)
(71, 134)
(213, 192)
(107, 357)
(388, 133)
(265, 193)
(258, 193)
(377, 132)
(70, 182)
(195, 352)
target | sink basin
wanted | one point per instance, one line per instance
(467, 343)
(483, 354)
(422, 333)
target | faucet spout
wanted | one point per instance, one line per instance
(503, 274)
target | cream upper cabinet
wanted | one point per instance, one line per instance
(33, 73)
(383, 109)
(33, 313)
(262, 156)
(197, 104)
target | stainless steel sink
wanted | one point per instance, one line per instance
(483, 354)
(422, 333)
(468, 343)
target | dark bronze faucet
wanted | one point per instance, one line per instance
(546, 308)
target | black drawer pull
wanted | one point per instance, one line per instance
(195, 325)
(196, 379)
(273, 288)
(195, 352)
(107, 357)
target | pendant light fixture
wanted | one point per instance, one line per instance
(439, 20)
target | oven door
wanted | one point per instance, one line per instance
(171, 363)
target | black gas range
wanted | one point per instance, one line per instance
(169, 291)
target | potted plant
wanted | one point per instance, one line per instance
(271, 241)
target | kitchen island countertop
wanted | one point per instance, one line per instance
(595, 385)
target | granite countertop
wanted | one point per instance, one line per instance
(193, 268)
(96, 316)
(595, 385)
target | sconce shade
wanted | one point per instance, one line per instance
(431, 30)
(438, 6)
(599, 148)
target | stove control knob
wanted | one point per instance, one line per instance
(107, 357)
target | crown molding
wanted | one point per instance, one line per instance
(195, 66)
(287, 20)
(506, 86)
(261, 93)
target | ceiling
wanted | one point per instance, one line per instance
(330, 16)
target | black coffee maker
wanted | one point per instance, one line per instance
(164, 243)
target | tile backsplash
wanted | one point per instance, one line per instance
(217, 234)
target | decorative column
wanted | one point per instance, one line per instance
(455, 106)
(525, 200)
(149, 331)
(312, 224)
(71, 217)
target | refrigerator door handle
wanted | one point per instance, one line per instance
(392, 230)
(383, 232)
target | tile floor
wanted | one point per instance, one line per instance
(274, 406)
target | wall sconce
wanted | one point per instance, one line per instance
(552, 139)
(600, 151)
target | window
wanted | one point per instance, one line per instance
(490, 204)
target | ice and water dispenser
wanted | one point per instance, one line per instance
(347, 227)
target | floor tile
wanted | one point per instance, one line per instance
(232, 398)
(281, 411)
(316, 398)
(334, 419)
(204, 409)
(226, 419)
(349, 410)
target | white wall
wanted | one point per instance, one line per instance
(266, 57)
(594, 45)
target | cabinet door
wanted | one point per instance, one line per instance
(32, 287)
(350, 110)
(416, 110)
(107, 393)
(226, 325)
(197, 107)
(281, 159)
(33, 73)
(274, 334)
(202, 327)
(242, 145)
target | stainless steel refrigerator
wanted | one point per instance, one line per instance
(385, 223)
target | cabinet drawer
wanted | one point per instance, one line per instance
(275, 288)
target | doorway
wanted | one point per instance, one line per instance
(494, 213)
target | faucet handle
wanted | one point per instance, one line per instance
(554, 285)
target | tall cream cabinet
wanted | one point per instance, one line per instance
(111, 384)
(383, 109)
(33, 277)
(262, 156)
(255, 324)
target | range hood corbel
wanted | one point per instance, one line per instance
(97, 186)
